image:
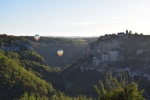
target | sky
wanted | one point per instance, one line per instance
(73, 17)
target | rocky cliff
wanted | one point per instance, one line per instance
(115, 51)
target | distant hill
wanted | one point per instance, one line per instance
(73, 49)
(47, 47)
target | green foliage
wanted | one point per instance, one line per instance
(22, 74)
(36, 67)
(60, 96)
(20, 83)
(114, 90)
(12, 55)
(31, 55)
(82, 98)
(75, 82)
(16, 79)
(26, 96)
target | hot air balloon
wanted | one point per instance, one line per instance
(60, 53)
(36, 37)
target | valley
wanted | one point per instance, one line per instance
(84, 62)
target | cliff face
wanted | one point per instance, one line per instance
(122, 50)
(106, 48)
(115, 54)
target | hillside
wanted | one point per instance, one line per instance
(31, 67)
(122, 49)
(113, 53)
(17, 81)
(25, 74)
(47, 47)
(73, 48)
(23, 77)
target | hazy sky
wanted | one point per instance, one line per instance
(73, 17)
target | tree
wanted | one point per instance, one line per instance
(127, 32)
(130, 32)
(115, 90)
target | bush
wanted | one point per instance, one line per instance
(114, 90)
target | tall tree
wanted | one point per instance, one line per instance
(114, 90)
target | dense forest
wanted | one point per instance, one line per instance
(27, 73)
